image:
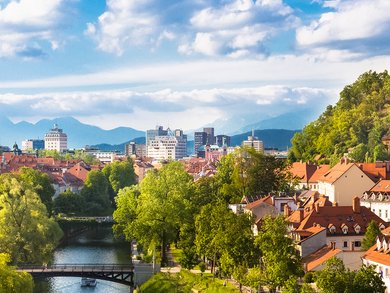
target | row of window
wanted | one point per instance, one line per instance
(355, 244)
(380, 213)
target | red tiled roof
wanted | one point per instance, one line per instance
(379, 256)
(319, 172)
(376, 171)
(79, 171)
(381, 186)
(319, 257)
(268, 200)
(303, 171)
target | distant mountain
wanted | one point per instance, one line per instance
(118, 147)
(79, 134)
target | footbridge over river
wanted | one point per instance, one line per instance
(127, 274)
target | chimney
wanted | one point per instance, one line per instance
(317, 207)
(333, 245)
(335, 204)
(301, 215)
(356, 205)
(286, 210)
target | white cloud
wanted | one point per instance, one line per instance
(167, 106)
(125, 23)
(355, 26)
(25, 23)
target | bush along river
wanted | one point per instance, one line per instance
(95, 246)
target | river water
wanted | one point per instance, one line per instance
(95, 246)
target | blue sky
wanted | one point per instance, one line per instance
(184, 63)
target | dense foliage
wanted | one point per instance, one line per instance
(335, 278)
(12, 281)
(356, 123)
(27, 233)
(371, 234)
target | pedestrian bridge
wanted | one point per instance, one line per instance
(127, 274)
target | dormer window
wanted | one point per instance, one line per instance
(332, 229)
(344, 228)
(378, 244)
(384, 245)
(357, 229)
(381, 226)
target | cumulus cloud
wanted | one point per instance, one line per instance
(205, 27)
(218, 102)
(355, 29)
(27, 24)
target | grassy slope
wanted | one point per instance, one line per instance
(184, 282)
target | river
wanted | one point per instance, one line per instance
(95, 246)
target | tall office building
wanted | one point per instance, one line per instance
(254, 142)
(200, 139)
(222, 140)
(33, 144)
(56, 140)
(172, 146)
(210, 135)
(135, 149)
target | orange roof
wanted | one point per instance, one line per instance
(386, 231)
(378, 256)
(303, 171)
(268, 200)
(319, 172)
(319, 257)
(376, 171)
(381, 186)
(79, 171)
(337, 216)
(336, 172)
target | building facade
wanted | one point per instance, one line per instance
(254, 142)
(210, 138)
(56, 140)
(33, 144)
(168, 147)
(222, 140)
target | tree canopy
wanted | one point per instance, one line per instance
(27, 234)
(356, 123)
(372, 232)
(12, 281)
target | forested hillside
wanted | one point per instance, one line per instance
(356, 124)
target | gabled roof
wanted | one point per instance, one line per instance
(319, 172)
(336, 172)
(319, 257)
(79, 171)
(379, 256)
(376, 171)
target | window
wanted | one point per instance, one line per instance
(386, 215)
(358, 244)
(345, 244)
(380, 213)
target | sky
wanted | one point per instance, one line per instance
(186, 63)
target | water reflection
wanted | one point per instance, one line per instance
(96, 246)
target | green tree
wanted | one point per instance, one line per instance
(69, 203)
(12, 281)
(40, 183)
(371, 234)
(161, 208)
(279, 258)
(27, 234)
(119, 175)
(335, 278)
(96, 193)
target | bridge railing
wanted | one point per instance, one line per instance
(78, 267)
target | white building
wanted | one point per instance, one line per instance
(254, 142)
(378, 199)
(343, 182)
(56, 140)
(172, 146)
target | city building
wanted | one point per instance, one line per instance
(134, 149)
(200, 139)
(152, 133)
(343, 182)
(254, 142)
(210, 139)
(56, 140)
(377, 199)
(172, 146)
(222, 140)
(33, 144)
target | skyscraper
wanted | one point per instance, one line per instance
(200, 139)
(210, 135)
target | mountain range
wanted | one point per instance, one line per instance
(79, 134)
